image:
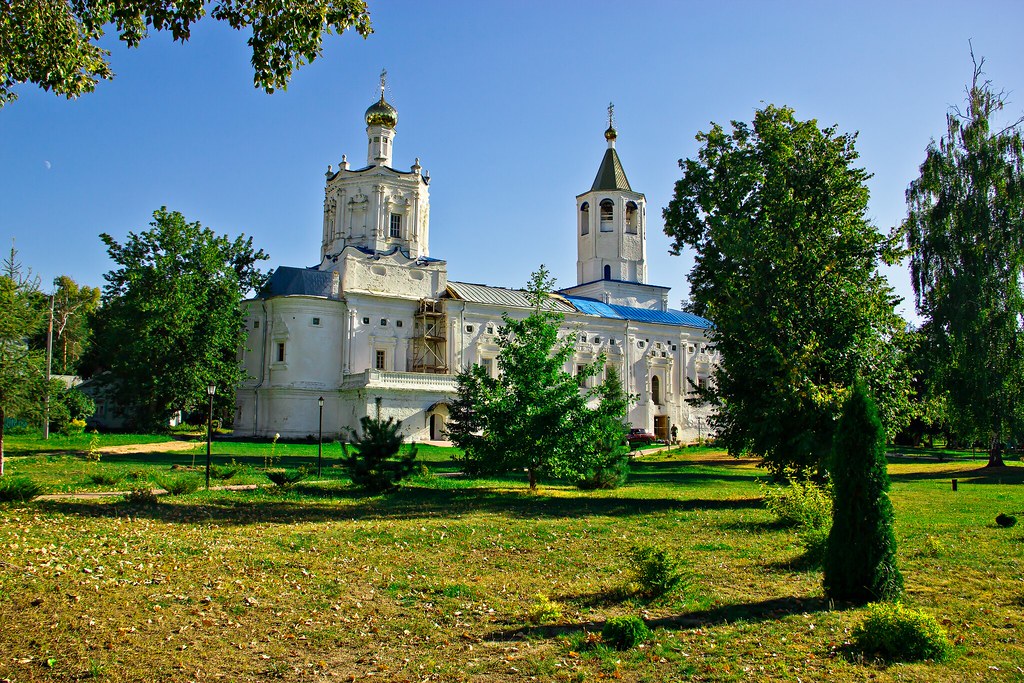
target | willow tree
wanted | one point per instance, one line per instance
(965, 232)
(786, 266)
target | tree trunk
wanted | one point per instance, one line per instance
(532, 474)
(995, 453)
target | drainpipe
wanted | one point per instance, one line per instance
(263, 371)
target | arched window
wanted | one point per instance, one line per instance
(607, 215)
(656, 390)
(607, 272)
(585, 218)
(631, 217)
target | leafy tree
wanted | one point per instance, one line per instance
(170, 321)
(786, 268)
(21, 368)
(72, 307)
(965, 232)
(605, 462)
(375, 464)
(533, 416)
(54, 44)
(860, 562)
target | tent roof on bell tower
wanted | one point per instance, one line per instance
(610, 175)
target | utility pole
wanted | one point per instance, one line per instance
(49, 366)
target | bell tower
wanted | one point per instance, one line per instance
(611, 223)
(377, 208)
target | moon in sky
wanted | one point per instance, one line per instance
(48, 165)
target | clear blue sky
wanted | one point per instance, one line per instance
(504, 103)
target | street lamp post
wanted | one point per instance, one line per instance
(211, 389)
(320, 438)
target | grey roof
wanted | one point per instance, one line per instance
(626, 282)
(289, 281)
(499, 296)
(610, 175)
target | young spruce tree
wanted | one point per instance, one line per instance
(860, 563)
(375, 464)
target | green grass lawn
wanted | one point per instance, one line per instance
(437, 581)
(59, 464)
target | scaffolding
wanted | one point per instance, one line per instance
(430, 340)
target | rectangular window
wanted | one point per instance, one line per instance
(255, 324)
(580, 376)
(280, 352)
(396, 225)
(316, 322)
(488, 365)
(378, 362)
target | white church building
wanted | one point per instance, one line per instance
(377, 318)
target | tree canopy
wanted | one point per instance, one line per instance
(55, 44)
(73, 304)
(170, 322)
(965, 232)
(786, 268)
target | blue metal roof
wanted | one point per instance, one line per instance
(289, 281)
(646, 315)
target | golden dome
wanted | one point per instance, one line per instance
(382, 114)
(610, 134)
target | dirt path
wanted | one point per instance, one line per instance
(161, 447)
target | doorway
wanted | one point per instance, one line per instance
(661, 428)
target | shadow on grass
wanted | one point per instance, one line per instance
(1011, 474)
(765, 610)
(804, 562)
(290, 505)
(683, 472)
(720, 504)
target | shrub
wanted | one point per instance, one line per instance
(623, 633)
(107, 478)
(180, 486)
(860, 563)
(225, 472)
(800, 503)
(1005, 521)
(286, 477)
(543, 610)
(656, 570)
(141, 497)
(897, 633)
(21, 489)
(73, 428)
